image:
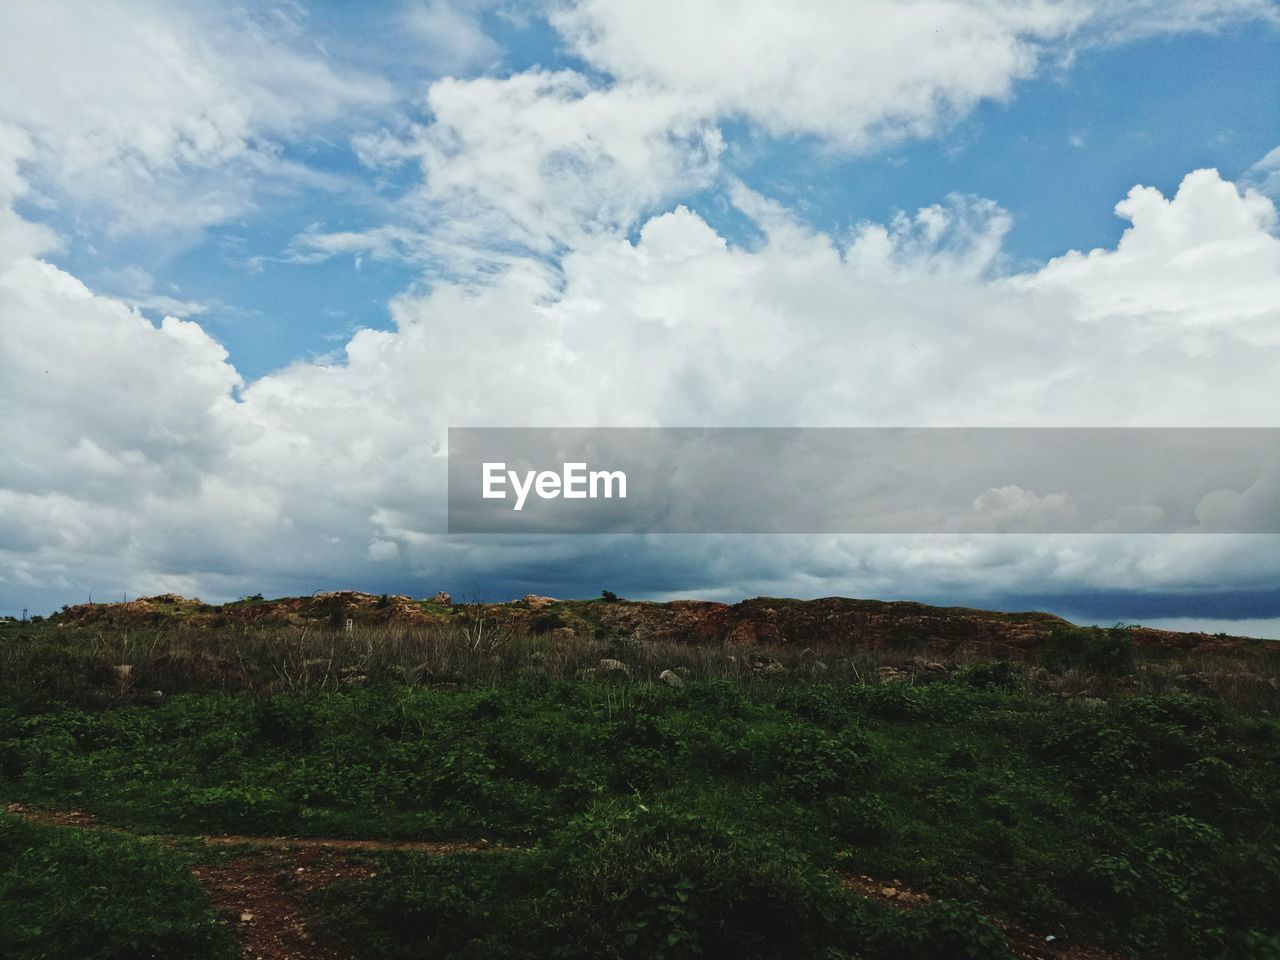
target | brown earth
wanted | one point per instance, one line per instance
(764, 621)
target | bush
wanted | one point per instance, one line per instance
(1109, 652)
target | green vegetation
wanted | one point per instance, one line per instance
(1081, 785)
(632, 880)
(99, 896)
(1147, 822)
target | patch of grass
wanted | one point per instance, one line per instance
(68, 893)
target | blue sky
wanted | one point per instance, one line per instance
(605, 212)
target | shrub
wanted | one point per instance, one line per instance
(546, 621)
(1110, 652)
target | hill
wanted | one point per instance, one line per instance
(358, 777)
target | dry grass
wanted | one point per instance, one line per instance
(105, 667)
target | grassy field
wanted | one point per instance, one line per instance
(726, 812)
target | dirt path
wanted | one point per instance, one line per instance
(85, 821)
(265, 896)
(264, 890)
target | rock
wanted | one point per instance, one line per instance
(767, 666)
(613, 666)
(535, 602)
(442, 597)
(888, 892)
(246, 917)
(923, 665)
(671, 679)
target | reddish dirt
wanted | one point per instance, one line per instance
(435, 848)
(263, 893)
(85, 821)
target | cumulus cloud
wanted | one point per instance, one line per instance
(1201, 260)
(137, 454)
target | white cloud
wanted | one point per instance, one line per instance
(1265, 174)
(860, 75)
(534, 162)
(857, 75)
(1121, 21)
(451, 38)
(164, 115)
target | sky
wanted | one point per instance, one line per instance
(256, 259)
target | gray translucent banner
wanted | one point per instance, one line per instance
(864, 480)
